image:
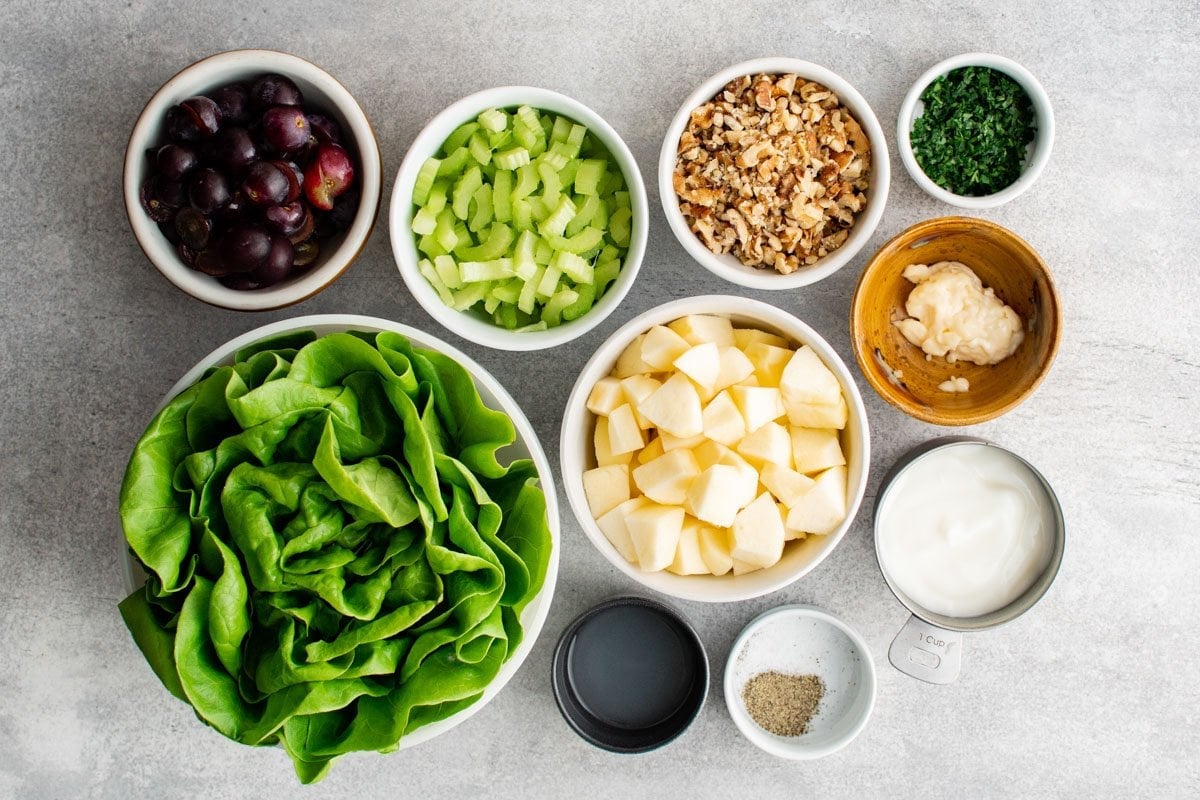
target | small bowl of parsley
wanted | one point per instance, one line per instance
(975, 130)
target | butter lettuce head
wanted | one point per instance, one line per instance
(336, 556)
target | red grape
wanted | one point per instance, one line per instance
(330, 173)
(265, 184)
(275, 90)
(285, 128)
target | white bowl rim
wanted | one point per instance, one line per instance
(162, 254)
(728, 266)
(533, 617)
(741, 717)
(403, 240)
(1043, 143)
(684, 587)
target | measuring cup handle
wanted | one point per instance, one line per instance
(927, 652)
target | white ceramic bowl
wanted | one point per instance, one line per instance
(475, 327)
(804, 640)
(1038, 151)
(728, 266)
(321, 90)
(493, 395)
(576, 450)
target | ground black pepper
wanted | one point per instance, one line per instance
(783, 704)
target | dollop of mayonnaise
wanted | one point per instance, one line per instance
(951, 314)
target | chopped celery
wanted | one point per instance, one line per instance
(538, 148)
(424, 221)
(428, 245)
(479, 150)
(584, 212)
(552, 311)
(491, 303)
(547, 120)
(512, 158)
(493, 120)
(509, 291)
(555, 157)
(540, 325)
(524, 136)
(587, 178)
(574, 267)
(506, 316)
(470, 295)
(447, 270)
(544, 253)
(566, 175)
(465, 239)
(494, 270)
(608, 254)
(600, 219)
(606, 272)
(549, 281)
(528, 297)
(523, 257)
(562, 129)
(500, 238)
(582, 304)
(425, 267)
(618, 226)
(424, 180)
(502, 195)
(574, 140)
(530, 119)
(454, 163)
(621, 199)
(462, 134)
(522, 215)
(499, 141)
(556, 223)
(551, 183)
(471, 180)
(611, 182)
(483, 209)
(527, 181)
(444, 232)
(538, 207)
(587, 239)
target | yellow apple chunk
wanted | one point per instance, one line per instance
(758, 533)
(701, 328)
(605, 488)
(823, 507)
(674, 407)
(654, 530)
(666, 479)
(815, 449)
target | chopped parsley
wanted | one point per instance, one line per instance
(971, 139)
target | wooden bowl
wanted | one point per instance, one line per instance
(900, 371)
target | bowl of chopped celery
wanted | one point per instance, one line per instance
(975, 130)
(518, 218)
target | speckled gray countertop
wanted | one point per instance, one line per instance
(1095, 693)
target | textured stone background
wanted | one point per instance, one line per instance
(1094, 693)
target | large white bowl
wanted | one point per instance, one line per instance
(321, 90)
(1039, 149)
(475, 327)
(493, 395)
(728, 266)
(576, 454)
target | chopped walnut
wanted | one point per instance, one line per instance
(773, 169)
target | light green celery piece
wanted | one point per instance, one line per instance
(562, 129)
(552, 311)
(527, 182)
(482, 217)
(574, 267)
(523, 259)
(528, 297)
(584, 212)
(587, 239)
(471, 294)
(575, 140)
(555, 156)
(425, 267)
(587, 177)
(606, 272)
(479, 149)
(501, 141)
(551, 183)
(549, 282)
(600, 218)
(540, 325)
(428, 245)
(460, 200)
(608, 254)
(612, 182)
(444, 232)
(424, 221)
(538, 147)
(522, 215)
(497, 269)
(502, 195)
(618, 226)
(424, 180)
(547, 120)
(582, 304)
(508, 291)
(506, 316)
(512, 158)
(556, 223)
(524, 135)
(621, 199)
(530, 119)
(493, 120)
(462, 134)
(491, 302)
(567, 173)
(499, 240)
(539, 208)
(544, 253)
(447, 270)
(454, 163)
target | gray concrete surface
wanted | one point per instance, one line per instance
(1096, 693)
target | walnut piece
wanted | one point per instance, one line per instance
(775, 170)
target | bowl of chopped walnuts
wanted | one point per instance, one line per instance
(774, 173)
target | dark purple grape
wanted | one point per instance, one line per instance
(286, 219)
(233, 149)
(186, 254)
(285, 128)
(344, 210)
(305, 231)
(193, 228)
(155, 208)
(175, 160)
(295, 179)
(265, 184)
(208, 190)
(206, 117)
(234, 102)
(169, 232)
(278, 263)
(180, 127)
(170, 193)
(306, 253)
(275, 90)
(324, 130)
(240, 281)
(244, 247)
(210, 263)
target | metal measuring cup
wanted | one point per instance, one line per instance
(929, 646)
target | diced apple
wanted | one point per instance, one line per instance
(624, 433)
(688, 560)
(741, 567)
(714, 549)
(815, 449)
(674, 407)
(605, 488)
(605, 396)
(735, 368)
(603, 446)
(806, 380)
(769, 362)
(662, 346)
(654, 530)
(723, 421)
(637, 388)
(666, 479)
(752, 380)
(744, 337)
(789, 534)
(719, 493)
(701, 328)
(758, 404)
(806, 415)
(758, 533)
(701, 363)
(651, 451)
(710, 453)
(630, 361)
(613, 526)
(787, 485)
(770, 444)
(823, 507)
(670, 442)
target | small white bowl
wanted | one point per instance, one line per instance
(321, 90)
(1039, 149)
(728, 266)
(475, 327)
(575, 454)
(804, 640)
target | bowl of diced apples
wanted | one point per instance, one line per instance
(518, 218)
(715, 449)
